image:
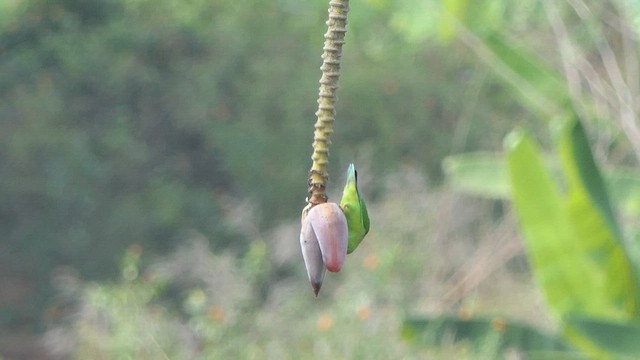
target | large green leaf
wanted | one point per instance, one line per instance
(593, 218)
(573, 253)
(538, 86)
(505, 334)
(582, 174)
(624, 187)
(619, 338)
(485, 175)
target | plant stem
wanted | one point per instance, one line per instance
(331, 56)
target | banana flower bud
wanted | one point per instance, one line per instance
(323, 240)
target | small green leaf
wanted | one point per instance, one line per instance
(479, 174)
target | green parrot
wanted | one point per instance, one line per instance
(355, 210)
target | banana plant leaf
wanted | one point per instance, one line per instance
(484, 174)
(481, 174)
(575, 253)
(618, 338)
(433, 331)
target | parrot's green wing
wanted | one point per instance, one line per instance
(365, 215)
(355, 210)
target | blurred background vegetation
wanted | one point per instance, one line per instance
(154, 156)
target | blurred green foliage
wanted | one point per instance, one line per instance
(135, 121)
(583, 266)
(488, 336)
(147, 121)
(200, 304)
(577, 253)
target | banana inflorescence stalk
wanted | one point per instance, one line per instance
(331, 56)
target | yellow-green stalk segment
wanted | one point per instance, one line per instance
(332, 52)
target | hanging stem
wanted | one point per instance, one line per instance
(332, 53)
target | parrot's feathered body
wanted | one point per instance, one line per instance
(355, 210)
